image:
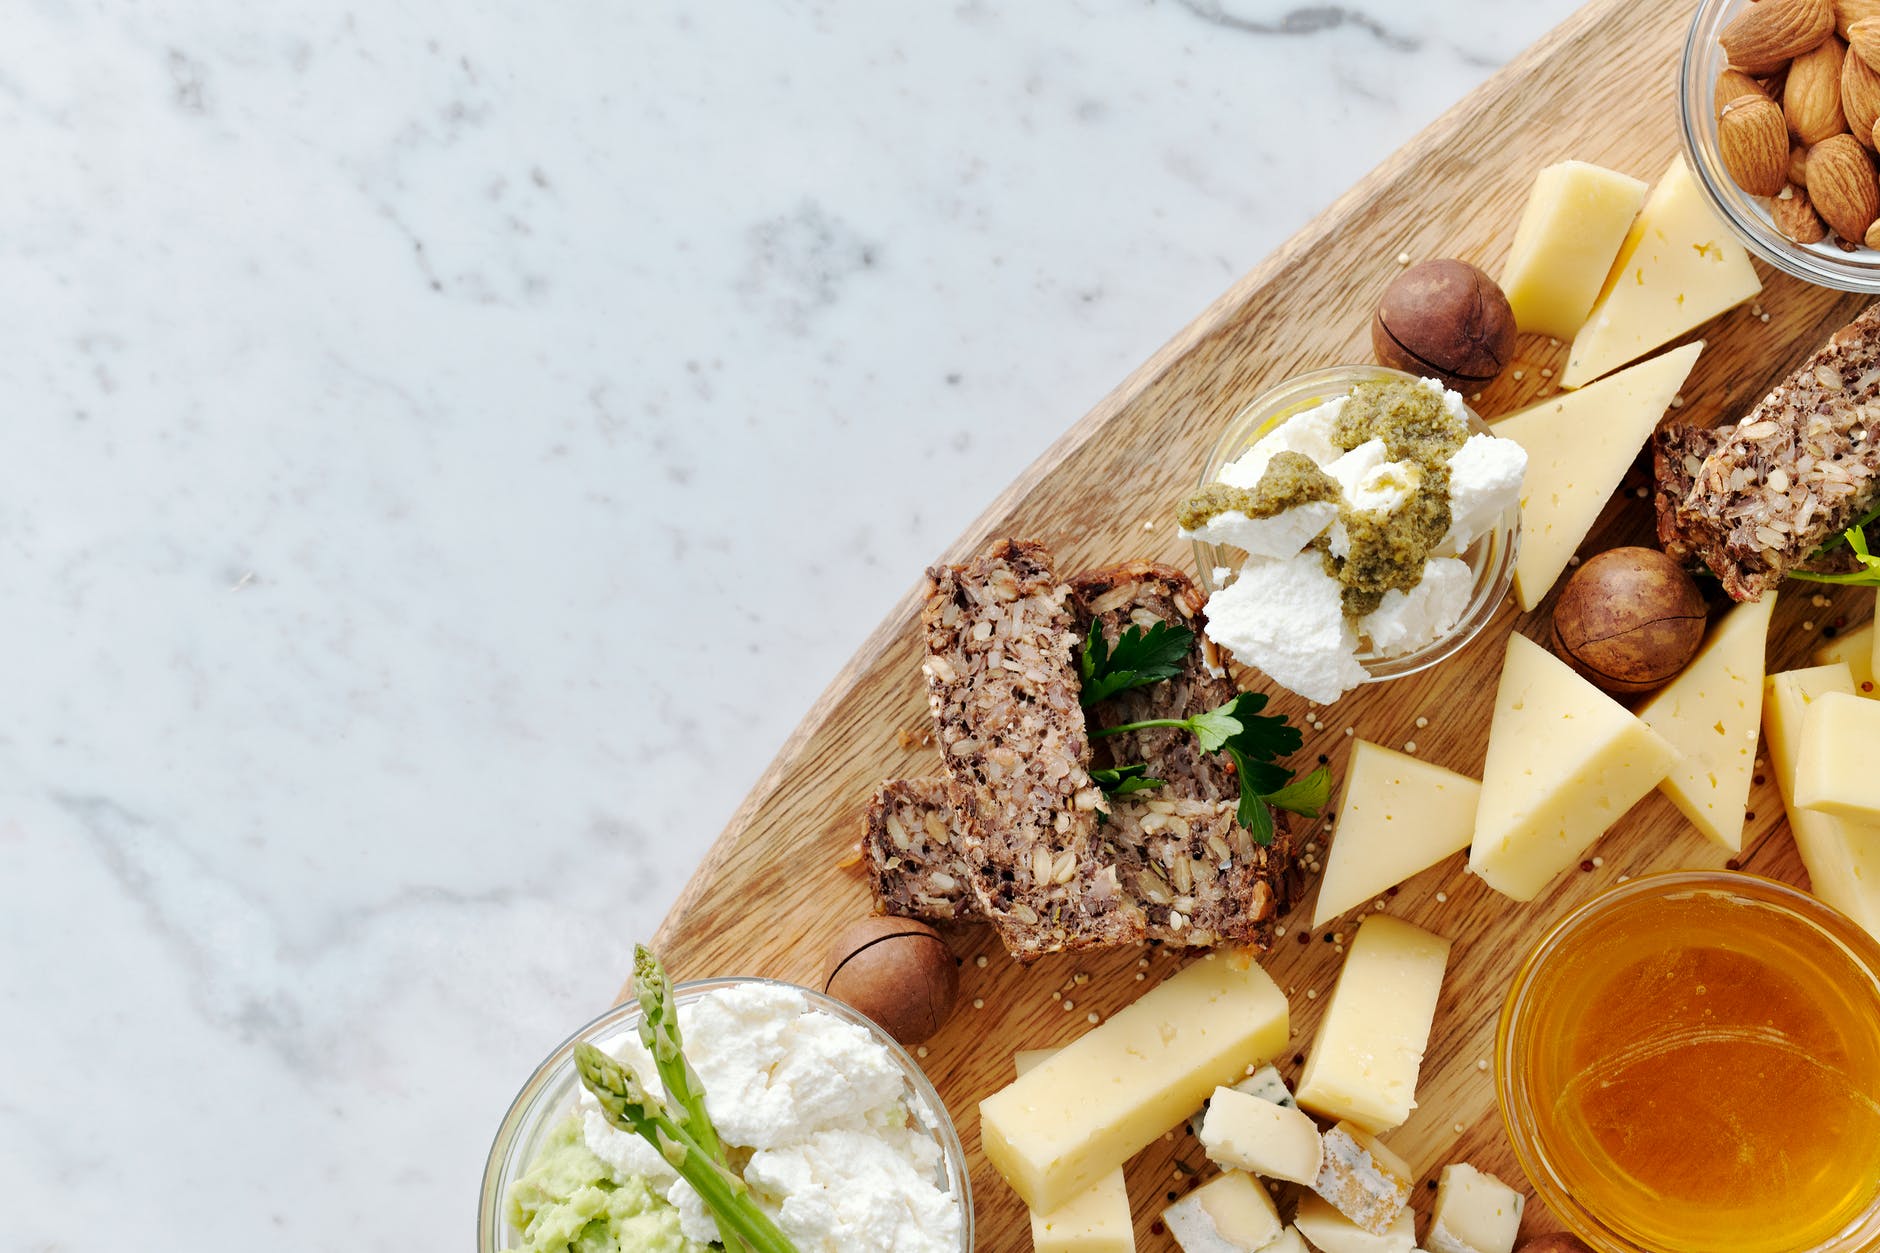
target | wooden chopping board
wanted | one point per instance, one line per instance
(774, 889)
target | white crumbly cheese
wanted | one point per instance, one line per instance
(1484, 481)
(1281, 535)
(1308, 432)
(1406, 621)
(1286, 619)
(1371, 482)
(837, 1157)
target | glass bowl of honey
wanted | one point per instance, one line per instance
(1690, 1063)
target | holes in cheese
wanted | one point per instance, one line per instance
(1398, 815)
(1364, 1060)
(1096, 1221)
(1085, 1111)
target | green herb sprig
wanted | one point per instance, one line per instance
(1137, 659)
(1123, 780)
(1855, 537)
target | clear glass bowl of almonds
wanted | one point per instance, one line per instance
(1765, 88)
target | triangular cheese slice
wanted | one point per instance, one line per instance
(1398, 815)
(1579, 446)
(1712, 714)
(1565, 761)
(1842, 857)
(1677, 269)
(1859, 648)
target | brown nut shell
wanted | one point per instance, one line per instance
(1629, 620)
(896, 971)
(1446, 320)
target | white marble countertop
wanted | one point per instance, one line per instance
(447, 450)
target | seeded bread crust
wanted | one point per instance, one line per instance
(915, 853)
(1003, 689)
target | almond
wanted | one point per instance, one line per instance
(1796, 218)
(1847, 12)
(1860, 97)
(1764, 35)
(1863, 40)
(1755, 144)
(1732, 84)
(1842, 186)
(1812, 99)
(1798, 167)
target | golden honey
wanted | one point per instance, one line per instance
(1697, 1069)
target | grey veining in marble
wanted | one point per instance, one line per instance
(447, 448)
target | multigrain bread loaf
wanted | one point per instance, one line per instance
(1754, 500)
(1003, 689)
(916, 856)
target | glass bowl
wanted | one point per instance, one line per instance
(554, 1088)
(1490, 558)
(1833, 964)
(1748, 216)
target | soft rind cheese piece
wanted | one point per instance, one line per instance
(1059, 1129)
(1579, 447)
(1398, 815)
(1246, 1133)
(1842, 857)
(1678, 268)
(1474, 1213)
(1362, 1179)
(1711, 713)
(1098, 1221)
(1267, 1084)
(1231, 1213)
(1364, 1060)
(1565, 761)
(1834, 771)
(1856, 648)
(1575, 222)
(1331, 1232)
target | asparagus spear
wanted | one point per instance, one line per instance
(626, 1104)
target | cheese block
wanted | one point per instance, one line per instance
(1711, 714)
(1579, 447)
(1273, 1141)
(1474, 1213)
(1565, 761)
(1232, 1213)
(1834, 767)
(1331, 1232)
(1059, 1129)
(1575, 222)
(1842, 857)
(1677, 269)
(1290, 1241)
(1397, 815)
(1362, 1179)
(1364, 1061)
(1098, 1221)
(1857, 649)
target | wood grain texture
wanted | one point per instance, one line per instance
(773, 891)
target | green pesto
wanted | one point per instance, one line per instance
(569, 1202)
(1389, 550)
(1410, 419)
(1291, 479)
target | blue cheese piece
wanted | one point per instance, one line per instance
(1475, 1213)
(1361, 1179)
(1282, 535)
(1331, 1232)
(1269, 1140)
(1406, 621)
(1267, 1084)
(1231, 1213)
(1286, 619)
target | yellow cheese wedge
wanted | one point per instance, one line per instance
(1712, 714)
(1474, 1213)
(1398, 815)
(1245, 1132)
(1579, 447)
(1058, 1130)
(1565, 761)
(1843, 857)
(1834, 767)
(1098, 1221)
(1575, 222)
(1331, 1232)
(1678, 268)
(1364, 1060)
(1856, 648)
(1231, 1213)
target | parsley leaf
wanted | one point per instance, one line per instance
(1138, 659)
(1308, 796)
(1126, 779)
(1855, 537)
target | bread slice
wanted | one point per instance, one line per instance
(916, 855)
(1003, 688)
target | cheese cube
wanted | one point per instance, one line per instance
(1475, 1213)
(1579, 447)
(1364, 1060)
(1231, 1213)
(1097, 1221)
(1266, 1084)
(1711, 714)
(1397, 815)
(1246, 1133)
(1331, 1232)
(1565, 761)
(1678, 268)
(1576, 220)
(1842, 856)
(1290, 1241)
(1857, 649)
(1834, 771)
(1059, 1129)
(1362, 1179)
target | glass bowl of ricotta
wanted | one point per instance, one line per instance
(838, 1133)
(1489, 556)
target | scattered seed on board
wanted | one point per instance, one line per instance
(1091, 1018)
(1519, 375)
(1069, 1004)
(1481, 1063)
(980, 961)
(921, 1051)
(1422, 722)
(1312, 994)
(1410, 746)
(1403, 258)
(979, 1002)
(1441, 897)
(1599, 861)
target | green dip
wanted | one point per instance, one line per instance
(1290, 479)
(570, 1202)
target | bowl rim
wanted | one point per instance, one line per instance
(523, 1113)
(1293, 395)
